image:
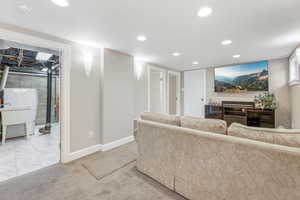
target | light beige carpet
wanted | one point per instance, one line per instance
(102, 165)
(75, 182)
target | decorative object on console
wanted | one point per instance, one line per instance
(265, 101)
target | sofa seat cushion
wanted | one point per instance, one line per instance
(161, 118)
(285, 137)
(210, 125)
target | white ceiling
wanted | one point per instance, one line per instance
(259, 29)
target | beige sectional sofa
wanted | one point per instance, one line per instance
(202, 165)
(285, 137)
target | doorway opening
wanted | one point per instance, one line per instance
(174, 93)
(29, 107)
(157, 90)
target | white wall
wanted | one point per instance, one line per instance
(141, 91)
(278, 83)
(85, 128)
(118, 96)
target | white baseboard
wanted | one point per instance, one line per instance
(99, 147)
(83, 152)
(117, 143)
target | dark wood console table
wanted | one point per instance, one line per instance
(241, 112)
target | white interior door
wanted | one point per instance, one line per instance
(195, 93)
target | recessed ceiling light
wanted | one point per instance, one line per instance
(141, 38)
(61, 3)
(226, 42)
(176, 54)
(236, 56)
(205, 11)
(24, 8)
(195, 63)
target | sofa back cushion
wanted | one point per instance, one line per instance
(286, 137)
(161, 118)
(210, 125)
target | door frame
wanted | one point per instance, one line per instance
(163, 94)
(65, 50)
(178, 91)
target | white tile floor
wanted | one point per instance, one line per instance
(20, 156)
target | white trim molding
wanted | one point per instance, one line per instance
(117, 143)
(96, 148)
(83, 152)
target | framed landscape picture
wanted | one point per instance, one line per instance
(242, 78)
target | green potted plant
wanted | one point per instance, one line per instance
(266, 101)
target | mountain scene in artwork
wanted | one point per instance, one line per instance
(242, 78)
